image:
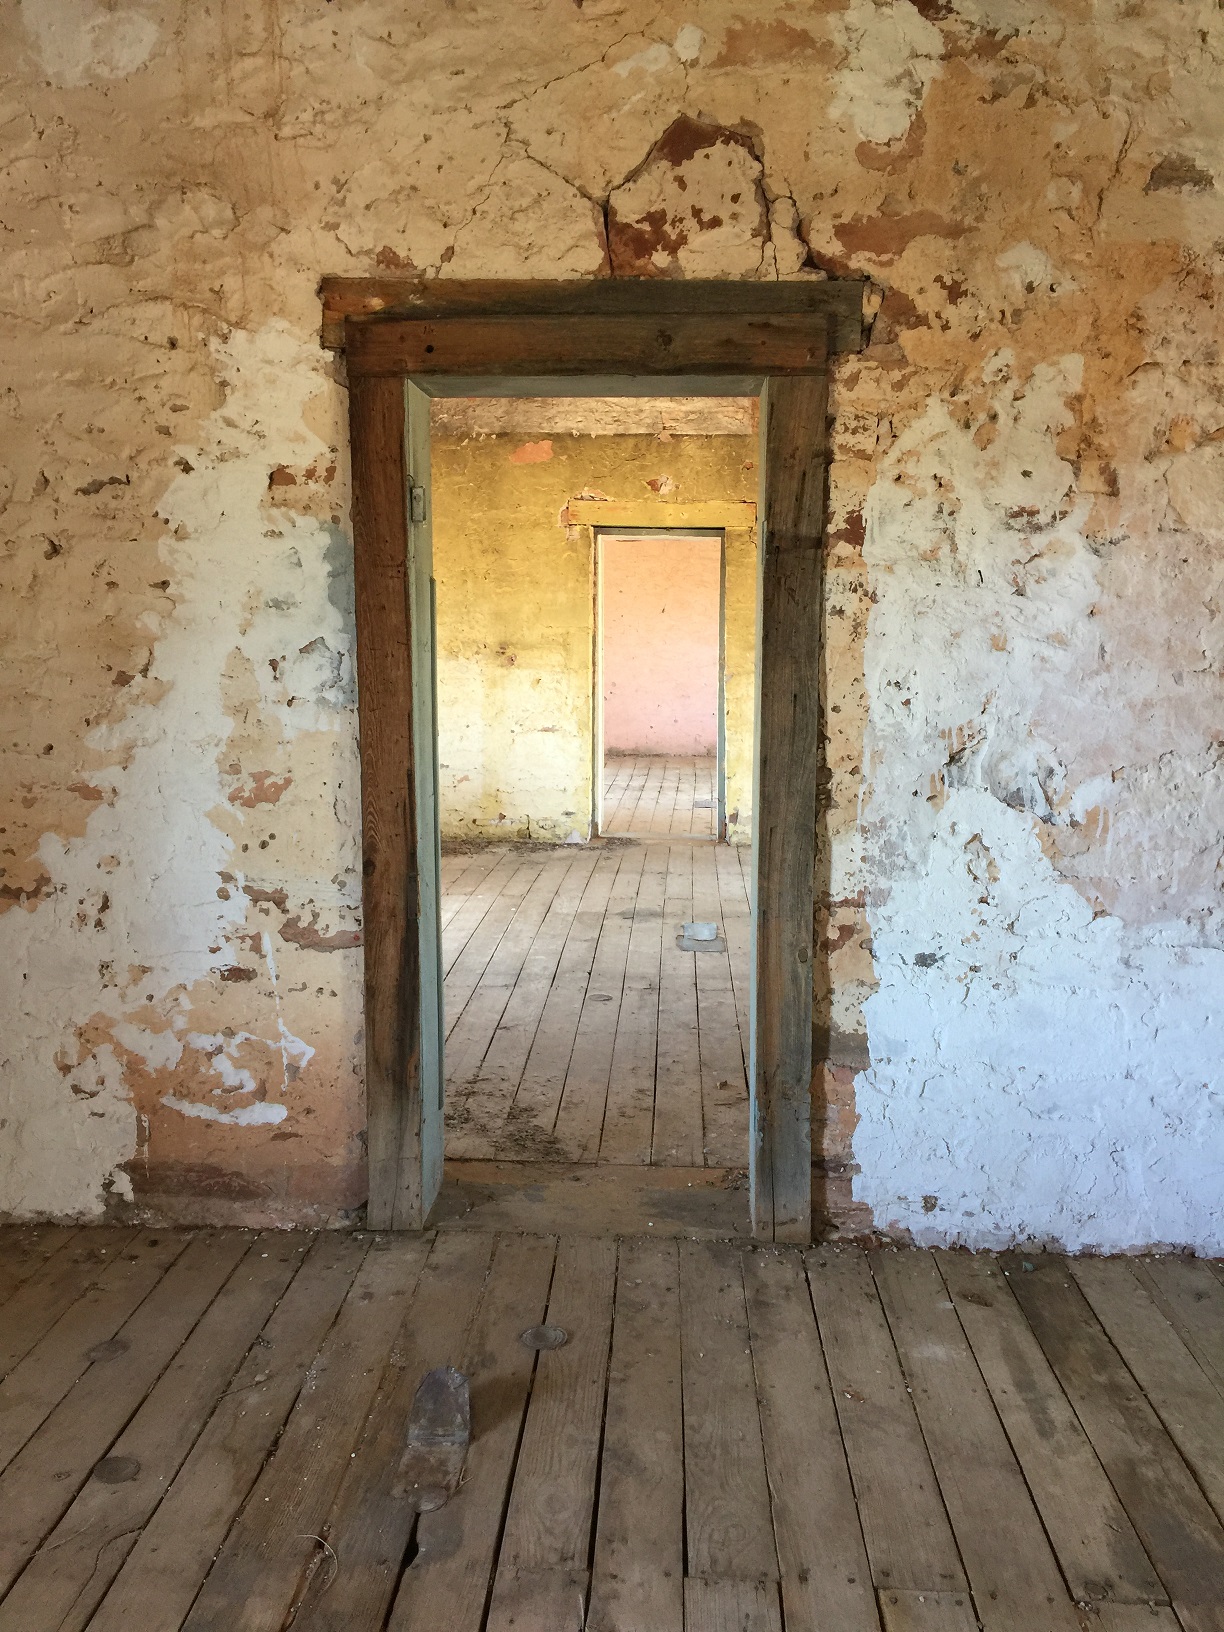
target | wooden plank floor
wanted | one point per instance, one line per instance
(656, 794)
(202, 1430)
(577, 1029)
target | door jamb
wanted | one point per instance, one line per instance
(391, 354)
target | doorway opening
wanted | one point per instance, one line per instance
(659, 683)
(408, 342)
(594, 684)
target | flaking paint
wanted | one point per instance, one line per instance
(1018, 914)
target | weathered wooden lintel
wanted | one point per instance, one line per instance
(838, 300)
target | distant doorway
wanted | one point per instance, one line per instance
(659, 693)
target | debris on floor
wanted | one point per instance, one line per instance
(544, 1337)
(439, 1432)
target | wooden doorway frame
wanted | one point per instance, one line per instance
(405, 342)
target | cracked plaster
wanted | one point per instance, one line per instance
(1020, 912)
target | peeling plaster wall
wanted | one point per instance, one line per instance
(516, 609)
(1019, 906)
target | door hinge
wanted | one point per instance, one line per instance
(416, 503)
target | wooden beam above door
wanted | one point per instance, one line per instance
(712, 343)
(838, 302)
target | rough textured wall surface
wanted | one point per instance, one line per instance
(1020, 910)
(516, 609)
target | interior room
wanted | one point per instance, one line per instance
(610, 829)
(595, 744)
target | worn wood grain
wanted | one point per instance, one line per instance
(1128, 1618)
(727, 1517)
(678, 1138)
(638, 1575)
(448, 1583)
(734, 894)
(35, 1306)
(530, 1120)
(628, 1120)
(35, 1386)
(391, 887)
(784, 820)
(929, 1612)
(369, 1527)
(1184, 1395)
(561, 345)
(489, 1087)
(65, 1581)
(826, 1579)
(27, 1250)
(1181, 1534)
(1100, 1554)
(1192, 1299)
(539, 1600)
(1013, 1573)
(44, 1477)
(584, 1099)
(464, 975)
(839, 301)
(463, 924)
(712, 1605)
(265, 1556)
(548, 1523)
(724, 1079)
(909, 1543)
(163, 1572)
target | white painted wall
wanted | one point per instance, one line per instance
(1043, 1067)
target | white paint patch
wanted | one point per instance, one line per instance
(246, 1116)
(1038, 1071)
(890, 56)
(160, 1050)
(1029, 270)
(78, 40)
(648, 61)
(689, 41)
(1196, 488)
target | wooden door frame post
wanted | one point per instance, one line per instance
(642, 337)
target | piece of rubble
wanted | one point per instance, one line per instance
(439, 1432)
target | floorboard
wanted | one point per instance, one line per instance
(547, 1537)
(81, 1556)
(910, 1544)
(37, 1301)
(165, 1569)
(44, 1477)
(826, 1579)
(73, 1345)
(579, 1031)
(448, 1582)
(732, 1439)
(27, 1251)
(369, 1527)
(1171, 1515)
(727, 1514)
(265, 1557)
(1100, 1554)
(1017, 1588)
(638, 1575)
(659, 795)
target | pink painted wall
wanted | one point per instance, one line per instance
(660, 645)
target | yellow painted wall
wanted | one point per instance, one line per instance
(513, 555)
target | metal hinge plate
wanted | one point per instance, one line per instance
(416, 503)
